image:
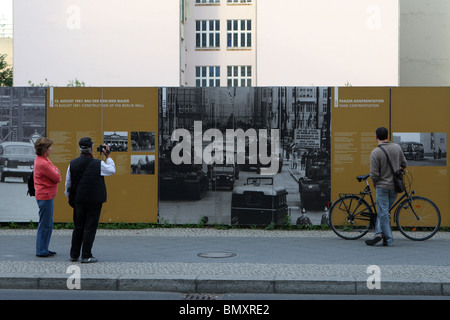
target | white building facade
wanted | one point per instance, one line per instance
(218, 43)
(291, 42)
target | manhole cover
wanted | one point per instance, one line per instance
(216, 255)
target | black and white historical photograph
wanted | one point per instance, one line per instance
(143, 164)
(238, 192)
(423, 148)
(116, 140)
(22, 122)
(142, 141)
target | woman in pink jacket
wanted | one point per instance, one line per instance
(46, 179)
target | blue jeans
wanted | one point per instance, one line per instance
(45, 226)
(385, 199)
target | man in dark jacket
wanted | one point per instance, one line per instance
(383, 180)
(85, 187)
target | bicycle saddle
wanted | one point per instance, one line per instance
(364, 177)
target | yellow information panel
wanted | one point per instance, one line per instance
(421, 125)
(418, 119)
(127, 120)
(356, 114)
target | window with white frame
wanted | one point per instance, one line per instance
(207, 76)
(239, 1)
(207, 33)
(239, 76)
(239, 33)
(207, 1)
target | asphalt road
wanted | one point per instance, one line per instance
(22, 294)
(15, 205)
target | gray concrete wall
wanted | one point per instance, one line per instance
(424, 43)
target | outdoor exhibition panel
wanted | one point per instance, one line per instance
(421, 125)
(355, 115)
(317, 140)
(127, 120)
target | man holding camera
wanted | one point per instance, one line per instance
(85, 187)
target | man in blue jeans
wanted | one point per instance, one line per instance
(383, 180)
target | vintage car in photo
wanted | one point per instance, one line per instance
(16, 160)
(412, 150)
(315, 186)
(221, 176)
(259, 202)
(181, 181)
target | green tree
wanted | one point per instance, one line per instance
(6, 73)
(46, 84)
(72, 83)
(76, 83)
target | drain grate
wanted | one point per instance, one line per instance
(202, 296)
(216, 255)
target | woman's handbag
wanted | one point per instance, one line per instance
(398, 175)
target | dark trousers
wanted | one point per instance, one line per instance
(85, 219)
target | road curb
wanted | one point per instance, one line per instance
(225, 284)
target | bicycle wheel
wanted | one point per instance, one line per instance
(418, 219)
(350, 216)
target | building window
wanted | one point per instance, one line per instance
(207, 1)
(305, 93)
(207, 76)
(239, 33)
(207, 33)
(238, 1)
(239, 76)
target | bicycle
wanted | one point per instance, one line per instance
(351, 216)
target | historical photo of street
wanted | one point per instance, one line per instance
(22, 122)
(237, 192)
(423, 148)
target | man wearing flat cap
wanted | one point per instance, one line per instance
(85, 187)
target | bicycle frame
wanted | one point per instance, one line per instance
(368, 191)
(352, 215)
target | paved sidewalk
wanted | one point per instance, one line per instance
(230, 261)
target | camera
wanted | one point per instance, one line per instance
(101, 148)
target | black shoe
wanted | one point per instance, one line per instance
(73, 259)
(89, 260)
(47, 255)
(51, 252)
(385, 243)
(374, 241)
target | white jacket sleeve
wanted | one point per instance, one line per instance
(108, 168)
